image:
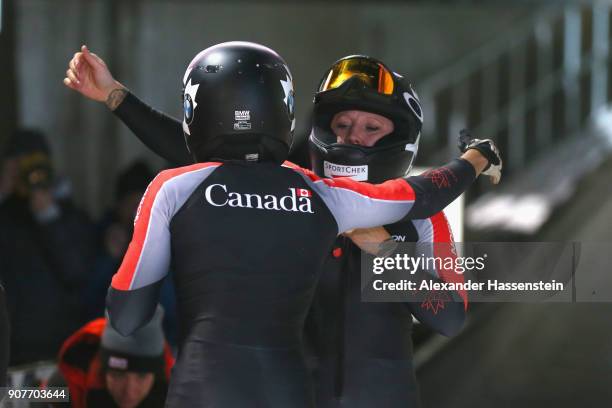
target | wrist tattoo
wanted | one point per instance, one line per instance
(115, 98)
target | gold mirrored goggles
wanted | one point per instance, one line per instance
(371, 73)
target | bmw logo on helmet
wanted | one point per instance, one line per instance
(188, 109)
(291, 103)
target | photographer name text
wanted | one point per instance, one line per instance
(469, 285)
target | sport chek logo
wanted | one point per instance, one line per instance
(298, 199)
(358, 173)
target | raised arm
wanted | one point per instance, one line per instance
(159, 132)
(88, 74)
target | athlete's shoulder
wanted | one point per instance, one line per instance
(172, 179)
(306, 172)
(168, 174)
(394, 190)
(164, 176)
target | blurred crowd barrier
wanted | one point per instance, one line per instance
(530, 88)
(540, 90)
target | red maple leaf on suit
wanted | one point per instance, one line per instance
(442, 177)
(435, 301)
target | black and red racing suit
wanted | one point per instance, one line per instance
(246, 242)
(362, 351)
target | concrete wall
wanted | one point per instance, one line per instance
(149, 43)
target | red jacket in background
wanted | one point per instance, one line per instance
(79, 362)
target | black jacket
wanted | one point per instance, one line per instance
(43, 266)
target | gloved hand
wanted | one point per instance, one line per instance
(488, 149)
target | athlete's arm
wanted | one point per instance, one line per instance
(159, 132)
(443, 311)
(88, 74)
(437, 188)
(134, 291)
(362, 205)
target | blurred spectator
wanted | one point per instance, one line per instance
(45, 248)
(114, 234)
(105, 369)
(117, 224)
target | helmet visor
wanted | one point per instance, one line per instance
(372, 74)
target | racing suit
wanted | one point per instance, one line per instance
(342, 339)
(361, 352)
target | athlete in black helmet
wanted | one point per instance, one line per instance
(236, 311)
(363, 84)
(355, 366)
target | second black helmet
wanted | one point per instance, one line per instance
(238, 104)
(363, 83)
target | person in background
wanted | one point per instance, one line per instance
(45, 250)
(113, 235)
(117, 224)
(104, 369)
(367, 125)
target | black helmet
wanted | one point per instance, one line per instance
(238, 104)
(359, 82)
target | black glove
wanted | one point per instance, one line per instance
(488, 149)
